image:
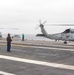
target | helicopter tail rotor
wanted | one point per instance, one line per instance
(44, 22)
(37, 27)
(41, 24)
(40, 21)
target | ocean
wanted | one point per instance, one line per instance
(28, 37)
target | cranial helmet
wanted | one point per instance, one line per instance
(8, 34)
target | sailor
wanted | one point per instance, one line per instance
(8, 42)
(22, 37)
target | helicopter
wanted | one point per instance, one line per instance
(67, 35)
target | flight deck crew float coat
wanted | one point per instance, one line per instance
(8, 42)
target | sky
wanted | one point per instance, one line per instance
(25, 15)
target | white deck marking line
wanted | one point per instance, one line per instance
(5, 73)
(56, 65)
(48, 48)
(51, 48)
(54, 48)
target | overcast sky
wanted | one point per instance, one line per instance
(25, 14)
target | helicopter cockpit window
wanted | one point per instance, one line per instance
(67, 31)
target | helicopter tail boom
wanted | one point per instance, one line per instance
(43, 30)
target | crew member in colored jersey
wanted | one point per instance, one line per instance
(22, 37)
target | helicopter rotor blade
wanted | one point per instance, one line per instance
(14, 28)
(44, 22)
(40, 21)
(59, 25)
(37, 27)
(10, 28)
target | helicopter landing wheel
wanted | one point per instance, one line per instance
(65, 42)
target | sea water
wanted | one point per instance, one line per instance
(28, 37)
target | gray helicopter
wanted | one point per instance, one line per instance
(67, 35)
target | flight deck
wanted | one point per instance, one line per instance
(34, 57)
